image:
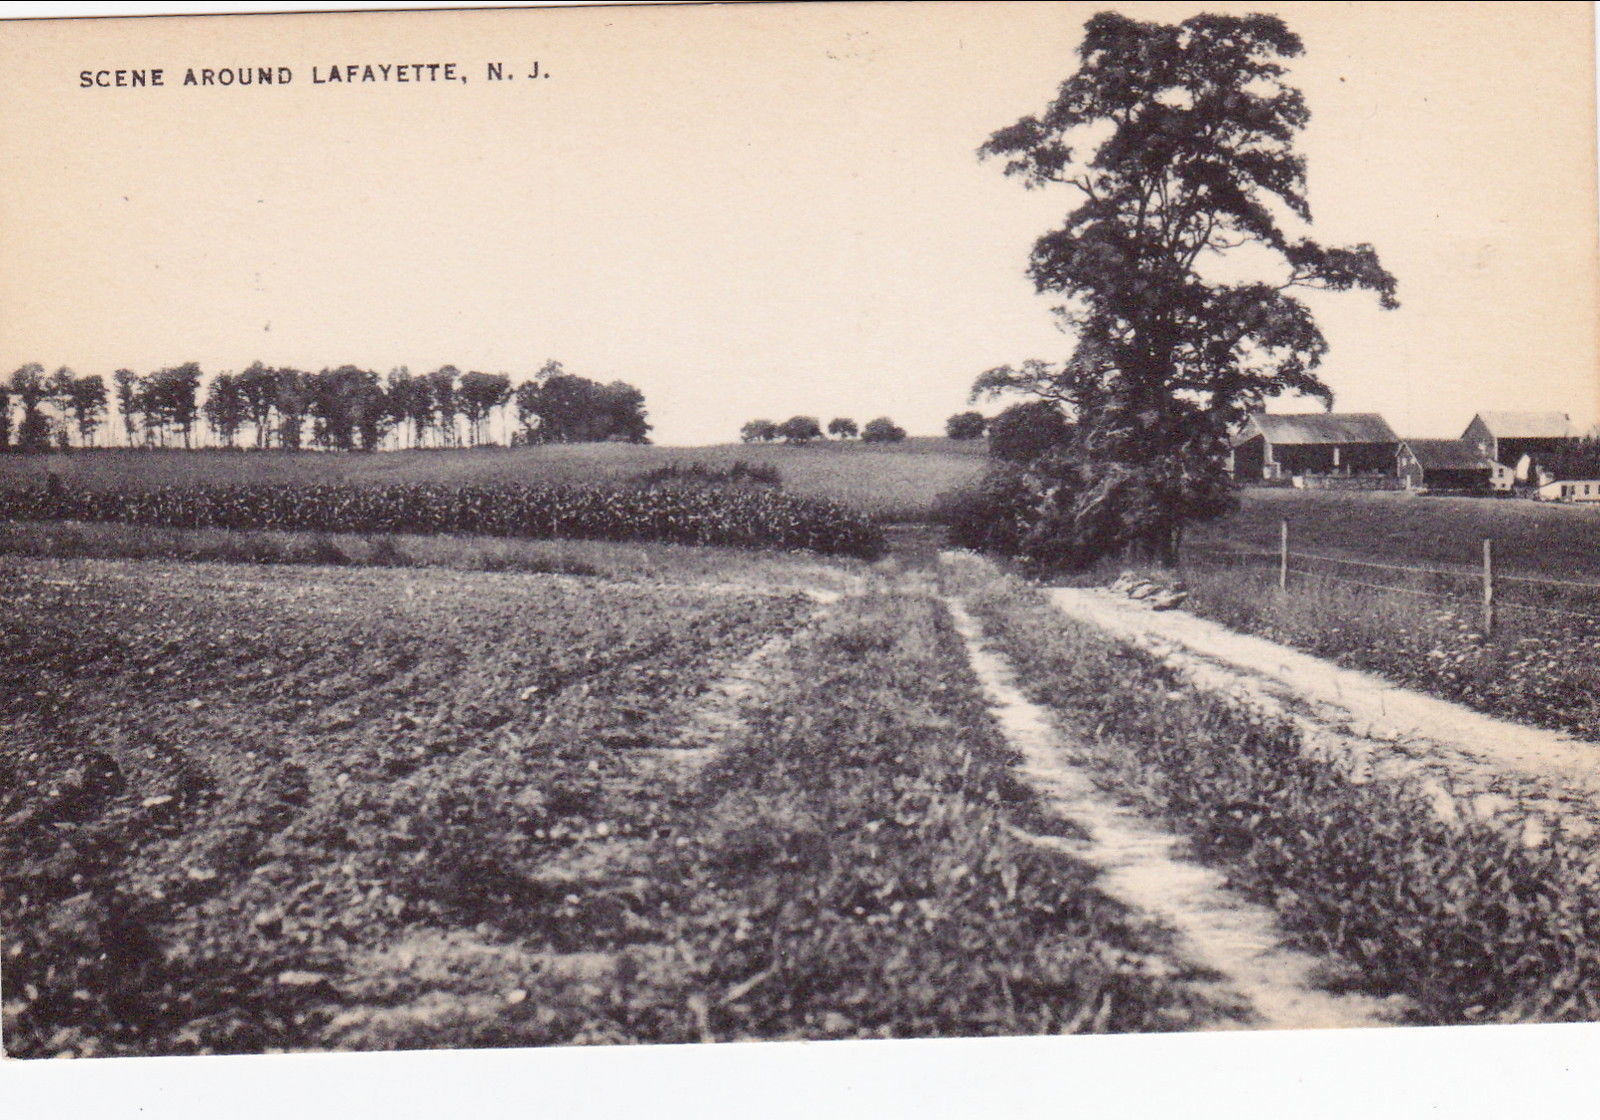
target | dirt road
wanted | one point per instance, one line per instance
(1475, 764)
(1148, 868)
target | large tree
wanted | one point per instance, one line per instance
(480, 394)
(127, 389)
(800, 429)
(86, 397)
(1179, 142)
(226, 407)
(257, 387)
(31, 387)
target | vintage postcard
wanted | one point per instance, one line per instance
(796, 521)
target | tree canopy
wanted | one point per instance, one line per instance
(1024, 432)
(759, 431)
(800, 429)
(1179, 142)
(882, 430)
(965, 425)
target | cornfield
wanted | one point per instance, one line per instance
(738, 517)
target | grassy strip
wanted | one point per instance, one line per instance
(1536, 667)
(855, 838)
(1465, 921)
(841, 870)
(107, 540)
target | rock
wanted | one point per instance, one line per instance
(294, 978)
(1167, 600)
(1143, 590)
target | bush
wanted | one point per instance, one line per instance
(992, 514)
(1024, 432)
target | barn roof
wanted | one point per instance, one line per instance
(1526, 425)
(1447, 455)
(1321, 427)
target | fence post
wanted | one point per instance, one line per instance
(1488, 586)
(1283, 555)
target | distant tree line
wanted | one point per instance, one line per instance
(804, 429)
(346, 408)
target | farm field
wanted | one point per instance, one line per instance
(358, 791)
(252, 808)
(892, 482)
(1534, 538)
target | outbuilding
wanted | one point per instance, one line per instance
(1270, 447)
(1444, 464)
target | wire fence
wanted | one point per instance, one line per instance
(1481, 587)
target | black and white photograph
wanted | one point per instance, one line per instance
(586, 526)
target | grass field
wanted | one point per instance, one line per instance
(1536, 538)
(892, 482)
(1537, 666)
(247, 807)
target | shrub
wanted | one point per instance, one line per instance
(1023, 432)
(991, 515)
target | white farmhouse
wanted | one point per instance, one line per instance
(1574, 490)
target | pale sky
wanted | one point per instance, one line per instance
(754, 211)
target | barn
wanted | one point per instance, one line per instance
(1506, 437)
(1444, 464)
(1271, 447)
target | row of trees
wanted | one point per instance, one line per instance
(804, 429)
(346, 408)
(52, 407)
